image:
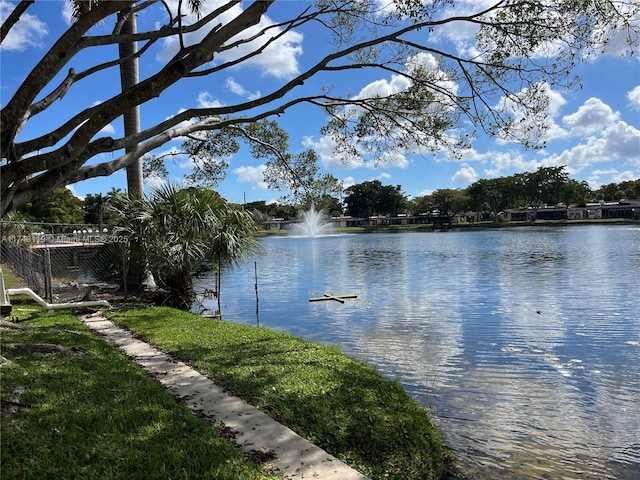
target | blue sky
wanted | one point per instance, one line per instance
(595, 130)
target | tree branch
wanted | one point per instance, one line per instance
(14, 17)
(104, 113)
(11, 116)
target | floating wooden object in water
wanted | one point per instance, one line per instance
(337, 298)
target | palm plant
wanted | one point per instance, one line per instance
(181, 230)
(129, 77)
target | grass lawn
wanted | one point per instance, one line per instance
(91, 413)
(338, 403)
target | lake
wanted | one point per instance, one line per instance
(524, 343)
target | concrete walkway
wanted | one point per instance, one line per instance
(253, 431)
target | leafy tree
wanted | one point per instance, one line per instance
(279, 210)
(360, 198)
(58, 206)
(259, 207)
(391, 200)
(481, 192)
(94, 206)
(631, 188)
(575, 192)
(492, 195)
(328, 204)
(450, 201)
(420, 204)
(544, 186)
(606, 192)
(372, 198)
(498, 86)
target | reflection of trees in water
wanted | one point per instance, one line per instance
(503, 332)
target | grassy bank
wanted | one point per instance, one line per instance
(88, 412)
(336, 402)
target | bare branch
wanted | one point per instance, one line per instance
(521, 45)
(13, 113)
(14, 17)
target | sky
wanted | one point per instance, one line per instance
(595, 130)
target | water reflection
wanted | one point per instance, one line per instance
(525, 342)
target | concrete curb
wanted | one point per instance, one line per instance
(253, 431)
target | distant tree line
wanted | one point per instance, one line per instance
(545, 186)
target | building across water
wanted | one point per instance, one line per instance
(623, 209)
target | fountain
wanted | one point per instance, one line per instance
(312, 223)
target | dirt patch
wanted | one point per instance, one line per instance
(80, 292)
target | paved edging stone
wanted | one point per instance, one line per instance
(253, 430)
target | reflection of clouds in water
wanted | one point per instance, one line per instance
(405, 323)
(532, 340)
(417, 343)
(455, 317)
(526, 418)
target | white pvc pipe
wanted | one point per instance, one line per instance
(54, 306)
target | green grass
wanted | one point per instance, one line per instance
(10, 279)
(338, 403)
(97, 416)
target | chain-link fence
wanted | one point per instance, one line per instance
(56, 260)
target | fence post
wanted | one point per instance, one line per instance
(48, 282)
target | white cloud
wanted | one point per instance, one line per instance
(348, 182)
(616, 142)
(596, 180)
(279, 59)
(154, 182)
(556, 102)
(205, 100)
(625, 176)
(27, 32)
(605, 138)
(393, 159)
(634, 98)
(238, 89)
(461, 34)
(622, 141)
(108, 129)
(399, 83)
(249, 174)
(324, 147)
(235, 87)
(466, 174)
(424, 193)
(498, 163)
(73, 191)
(593, 116)
(384, 87)
(610, 171)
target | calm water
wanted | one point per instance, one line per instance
(524, 343)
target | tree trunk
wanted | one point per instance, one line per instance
(128, 79)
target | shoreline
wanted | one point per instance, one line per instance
(463, 226)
